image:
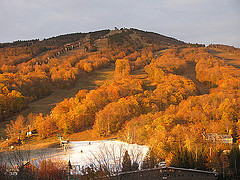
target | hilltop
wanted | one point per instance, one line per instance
(115, 35)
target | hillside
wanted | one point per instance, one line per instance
(61, 61)
(35, 63)
(138, 86)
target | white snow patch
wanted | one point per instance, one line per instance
(84, 153)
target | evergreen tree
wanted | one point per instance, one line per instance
(126, 164)
(150, 160)
(234, 161)
(135, 166)
(201, 160)
(183, 158)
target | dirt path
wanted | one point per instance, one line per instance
(191, 74)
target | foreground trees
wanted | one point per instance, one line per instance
(126, 164)
(52, 170)
(234, 161)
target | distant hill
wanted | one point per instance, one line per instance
(114, 35)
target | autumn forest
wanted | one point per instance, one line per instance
(164, 93)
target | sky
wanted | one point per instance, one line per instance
(192, 21)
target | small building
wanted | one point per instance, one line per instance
(32, 132)
(170, 173)
(220, 138)
(29, 133)
(161, 164)
(226, 138)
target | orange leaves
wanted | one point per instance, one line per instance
(81, 94)
(165, 122)
(172, 89)
(230, 85)
(10, 102)
(8, 69)
(64, 77)
(217, 112)
(45, 126)
(170, 62)
(213, 71)
(15, 127)
(77, 113)
(93, 62)
(51, 170)
(122, 68)
(114, 115)
(16, 101)
(155, 73)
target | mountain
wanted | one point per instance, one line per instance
(143, 36)
(141, 87)
(37, 64)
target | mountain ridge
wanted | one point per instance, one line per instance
(74, 37)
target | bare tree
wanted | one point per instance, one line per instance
(137, 155)
(109, 158)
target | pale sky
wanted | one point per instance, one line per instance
(195, 21)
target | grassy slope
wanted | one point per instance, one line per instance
(229, 57)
